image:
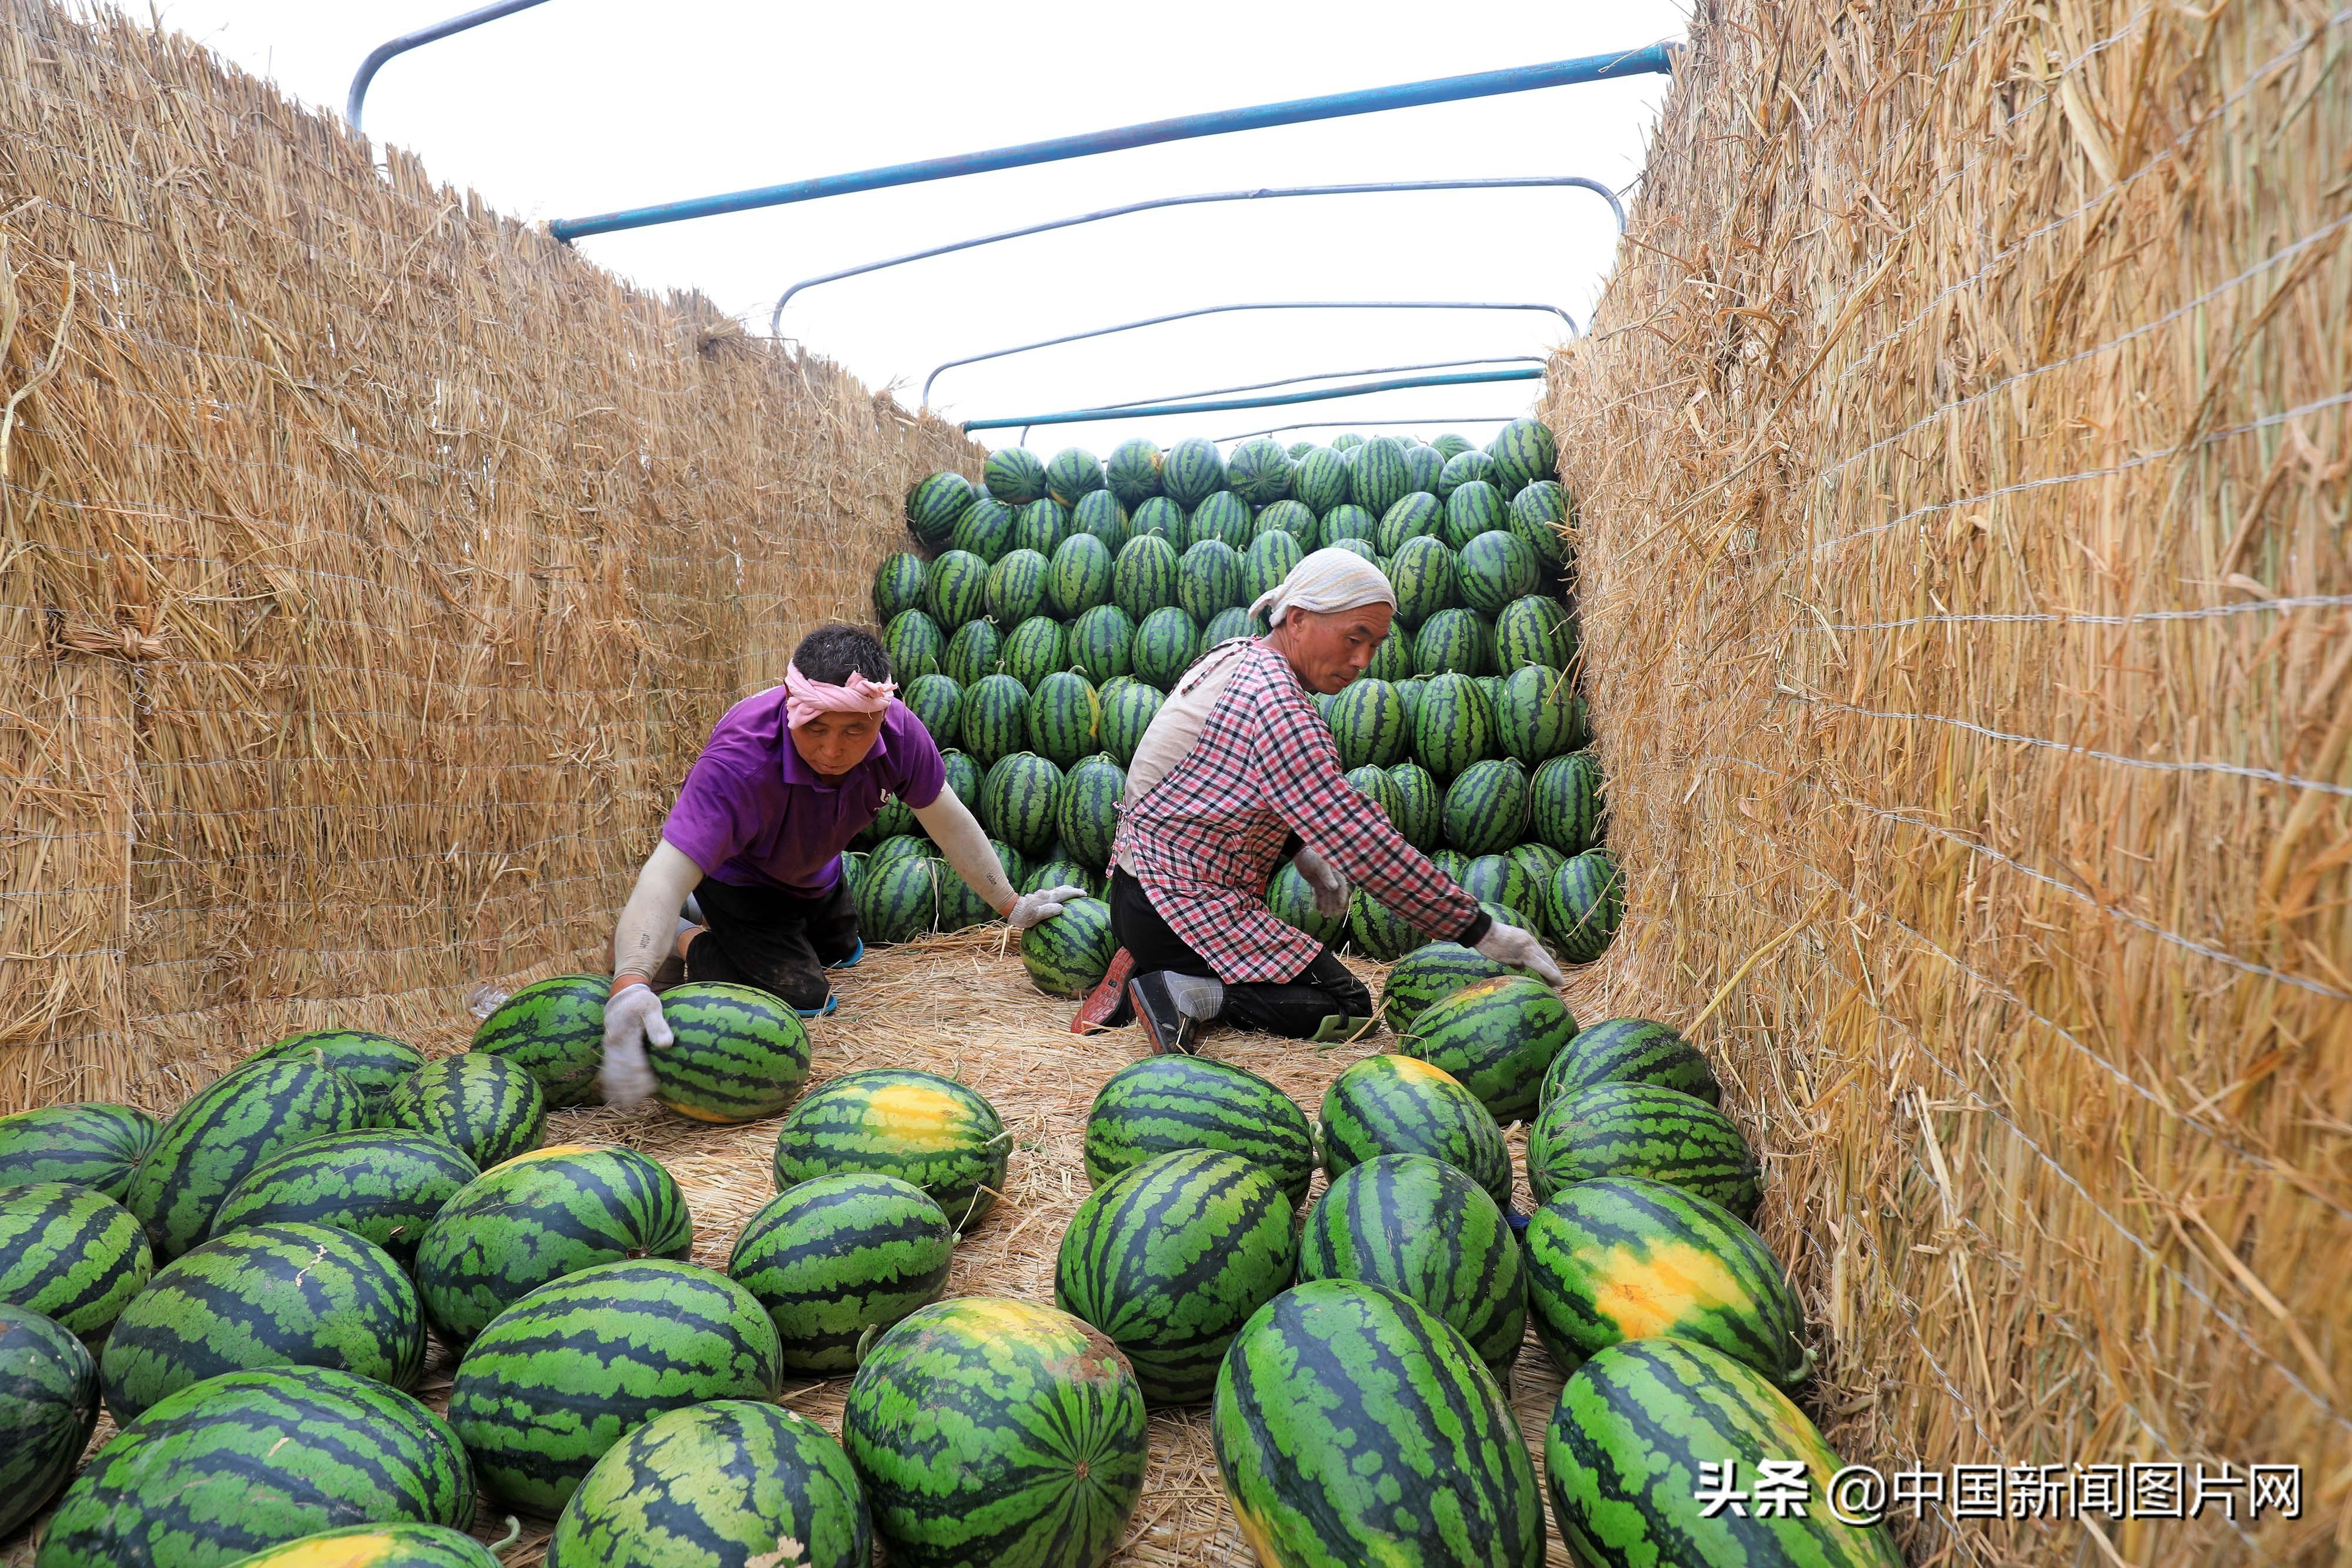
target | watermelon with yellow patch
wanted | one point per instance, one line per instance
(942, 1136)
(378, 1546)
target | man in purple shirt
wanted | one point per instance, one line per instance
(787, 779)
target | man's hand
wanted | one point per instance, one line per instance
(1519, 950)
(1043, 904)
(632, 1019)
(1330, 887)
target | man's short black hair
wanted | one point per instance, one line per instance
(832, 653)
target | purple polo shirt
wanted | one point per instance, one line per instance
(752, 814)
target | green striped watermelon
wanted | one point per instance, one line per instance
(898, 584)
(1041, 525)
(1449, 446)
(1226, 625)
(378, 1546)
(1164, 1104)
(1623, 1454)
(1584, 905)
(1453, 728)
(897, 900)
(1500, 880)
(1642, 1130)
(1168, 1260)
(1368, 724)
(95, 1146)
(995, 719)
(1378, 933)
(1414, 515)
(1409, 692)
(1564, 800)
(959, 774)
(1194, 471)
(834, 1258)
(1475, 507)
(49, 1407)
(1453, 640)
(1015, 587)
(1292, 899)
(892, 851)
(1099, 513)
(551, 1029)
(1165, 646)
(1129, 706)
(895, 819)
(1208, 578)
(1534, 631)
(938, 701)
(372, 1063)
(1322, 481)
(1460, 469)
(1073, 472)
(1068, 954)
(1486, 807)
(1379, 478)
(1064, 715)
(736, 1481)
(1416, 805)
(1352, 1427)
(960, 906)
(1540, 716)
(1015, 476)
(1158, 518)
(985, 530)
(1423, 464)
(1144, 577)
(1062, 873)
(541, 1217)
(1428, 975)
(1452, 863)
(1100, 640)
(1291, 518)
(71, 1254)
(491, 1109)
(267, 1295)
(1259, 472)
(1038, 647)
(1631, 1050)
(1348, 522)
(1081, 576)
(1267, 561)
(739, 1053)
(914, 641)
(1494, 569)
(1403, 1105)
(224, 1131)
(1348, 445)
(383, 1187)
(1524, 452)
(934, 504)
(940, 1134)
(567, 1372)
(1540, 515)
(1088, 816)
(1020, 799)
(1422, 571)
(992, 1433)
(1373, 783)
(1132, 472)
(1393, 660)
(1422, 1228)
(975, 652)
(1225, 518)
(1496, 1037)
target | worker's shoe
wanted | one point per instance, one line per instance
(831, 1002)
(850, 961)
(1167, 1026)
(1105, 1006)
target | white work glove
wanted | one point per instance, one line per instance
(1043, 904)
(632, 1019)
(1330, 887)
(1519, 950)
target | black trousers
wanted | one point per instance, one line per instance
(1321, 1001)
(772, 940)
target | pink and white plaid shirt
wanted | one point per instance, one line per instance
(1206, 839)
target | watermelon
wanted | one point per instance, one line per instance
(1452, 863)
(94, 1145)
(1226, 625)
(985, 530)
(1524, 452)
(1290, 518)
(567, 1372)
(896, 819)
(1496, 1037)
(914, 641)
(1063, 873)
(1540, 515)
(1171, 1257)
(1377, 931)
(1486, 807)
(1165, 646)
(1064, 715)
(1379, 479)
(1453, 642)
(1081, 576)
(1500, 881)
(1460, 469)
(372, 1063)
(487, 1106)
(1088, 816)
(1320, 480)
(1068, 954)
(378, 1546)
(1473, 508)
(1393, 660)
(995, 718)
(1132, 472)
(1159, 518)
(1584, 903)
(1144, 578)
(252, 1459)
(1267, 562)
(992, 1433)
(1037, 648)
(551, 1029)
(1642, 1130)
(735, 1481)
(1428, 975)
(1015, 587)
(1537, 862)
(267, 1295)
(1367, 721)
(1534, 631)
(1454, 727)
(1165, 1104)
(1416, 805)
(959, 907)
(1292, 899)
(1414, 515)
(381, 1186)
(1624, 1258)
(1541, 717)
(1192, 473)
(1449, 446)
(1348, 445)
(834, 1258)
(1101, 642)
(1631, 1050)
(1259, 472)
(933, 1132)
(1409, 692)
(1423, 464)
(739, 1053)
(71, 1254)
(1128, 709)
(1352, 1426)
(49, 1407)
(1422, 1228)
(892, 850)
(898, 584)
(1423, 574)
(1073, 472)
(1623, 1453)
(975, 652)
(1019, 802)
(541, 1216)
(1099, 515)
(1349, 521)
(1223, 516)
(1373, 783)
(1564, 800)
(899, 901)
(1041, 526)
(938, 701)
(1209, 578)
(934, 504)
(1015, 476)
(224, 1131)
(1495, 569)
(1403, 1105)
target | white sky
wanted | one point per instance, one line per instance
(582, 106)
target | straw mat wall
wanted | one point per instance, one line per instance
(368, 568)
(1962, 450)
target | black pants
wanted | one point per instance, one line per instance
(781, 944)
(1303, 1007)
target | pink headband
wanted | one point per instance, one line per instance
(805, 698)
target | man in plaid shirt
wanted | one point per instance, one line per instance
(1237, 771)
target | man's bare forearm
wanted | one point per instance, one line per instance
(648, 925)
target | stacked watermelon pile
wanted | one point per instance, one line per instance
(1054, 606)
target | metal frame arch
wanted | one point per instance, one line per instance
(1368, 425)
(392, 48)
(1165, 409)
(1334, 375)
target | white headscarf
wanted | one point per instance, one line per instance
(1328, 580)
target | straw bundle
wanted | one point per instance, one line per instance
(1962, 451)
(372, 567)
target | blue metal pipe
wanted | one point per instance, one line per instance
(1331, 375)
(423, 35)
(1221, 309)
(1322, 395)
(1531, 181)
(1655, 59)
(1370, 424)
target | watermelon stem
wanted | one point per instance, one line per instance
(865, 1341)
(513, 1534)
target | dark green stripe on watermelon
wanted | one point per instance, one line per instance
(1068, 954)
(1164, 1104)
(933, 505)
(898, 584)
(1129, 707)
(985, 530)
(1379, 478)
(383, 1187)
(1368, 723)
(49, 1407)
(94, 1145)
(1081, 576)
(975, 652)
(269, 1295)
(938, 701)
(1101, 514)
(1534, 630)
(739, 1052)
(1564, 804)
(1497, 1037)
(564, 1373)
(373, 1062)
(1020, 798)
(1042, 527)
(553, 1029)
(1524, 452)
(1195, 470)
(253, 1459)
(1016, 587)
(226, 1129)
(1015, 476)
(71, 1254)
(1486, 807)
(832, 1258)
(1101, 643)
(940, 1134)
(1642, 1130)
(1633, 1051)
(1539, 515)
(1062, 717)
(1540, 716)
(914, 641)
(1585, 904)
(1402, 1105)
(489, 1106)
(995, 719)
(1072, 473)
